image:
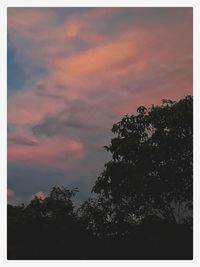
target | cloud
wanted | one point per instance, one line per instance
(10, 193)
(12, 197)
(21, 140)
(72, 30)
(54, 126)
(42, 90)
(26, 107)
(77, 115)
(138, 58)
(60, 152)
(40, 195)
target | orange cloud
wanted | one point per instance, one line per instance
(71, 30)
(137, 65)
(98, 59)
(139, 60)
(110, 63)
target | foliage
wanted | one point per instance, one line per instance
(151, 167)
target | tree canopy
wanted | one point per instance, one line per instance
(151, 168)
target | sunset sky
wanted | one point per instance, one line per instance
(72, 73)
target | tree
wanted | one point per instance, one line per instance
(144, 198)
(150, 173)
(45, 227)
(96, 216)
(58, 203)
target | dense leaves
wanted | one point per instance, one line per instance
(151, 167)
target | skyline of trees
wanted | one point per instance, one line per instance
(143, 204)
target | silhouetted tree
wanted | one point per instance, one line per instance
(150, 173)
(40, 229)
(59, 204)
(143, 205)
(96, 217)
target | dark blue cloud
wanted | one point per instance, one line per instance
(26, 180)
(20, 71)
(141, 16)
(16, 71)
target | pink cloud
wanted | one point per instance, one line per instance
(23, 19)
(28, 107)
(61, 152)
(137, 65)
(40, 195)
(10, 193)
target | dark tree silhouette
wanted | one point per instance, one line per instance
(37, 230)
(143, 206)
(150, 173)
(96, 216)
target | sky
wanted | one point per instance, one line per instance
(72, 74)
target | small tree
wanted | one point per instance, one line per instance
(150, 173)
(58, 203)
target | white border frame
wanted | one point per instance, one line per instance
(3, 121)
